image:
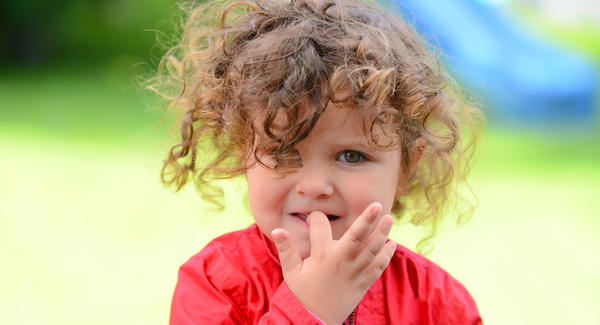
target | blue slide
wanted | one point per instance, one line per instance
(519, 78)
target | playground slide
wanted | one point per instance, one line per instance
(518, 77)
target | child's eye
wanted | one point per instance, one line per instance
(351, 156)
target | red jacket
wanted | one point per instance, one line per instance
(237, 279)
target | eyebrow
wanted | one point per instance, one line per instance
(363, 145)
(356, 143)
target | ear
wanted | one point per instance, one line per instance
(415, 153)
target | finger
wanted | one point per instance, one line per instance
(380, 262)
(373, 246)
(320, 232)
(360, 229)
(289, 256)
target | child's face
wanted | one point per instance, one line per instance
(340, 176)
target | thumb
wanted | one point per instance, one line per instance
(288, 252)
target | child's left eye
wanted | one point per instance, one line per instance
(351, 156)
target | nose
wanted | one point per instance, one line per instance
(314, 182)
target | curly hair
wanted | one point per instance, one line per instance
(239, 58)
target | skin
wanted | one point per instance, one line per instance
(330, 218)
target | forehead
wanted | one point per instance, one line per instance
(337, 120)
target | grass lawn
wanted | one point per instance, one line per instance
(89, 236)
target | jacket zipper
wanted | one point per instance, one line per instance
(352, 317)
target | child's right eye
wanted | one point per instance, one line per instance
(351, 156)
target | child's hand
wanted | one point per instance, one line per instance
(336, 275)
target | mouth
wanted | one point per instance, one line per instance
(304, 216)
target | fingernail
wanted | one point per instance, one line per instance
(376, 208)
(277, 236)
(389, 222)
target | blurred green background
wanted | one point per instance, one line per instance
(89, 235)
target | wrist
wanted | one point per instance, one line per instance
(319, 309)
(325, 314)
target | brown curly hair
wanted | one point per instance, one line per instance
(236, 59)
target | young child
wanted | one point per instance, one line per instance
(338, 116)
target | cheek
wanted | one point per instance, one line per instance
(265, 192)
(255, 183)
(379, 186)
(261, 206)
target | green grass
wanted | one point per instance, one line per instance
(89, 236)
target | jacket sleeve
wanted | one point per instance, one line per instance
(209, 292)
(454, 305)
(285, 308)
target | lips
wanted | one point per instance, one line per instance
(304, 216)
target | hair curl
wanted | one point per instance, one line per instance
(274, 57)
